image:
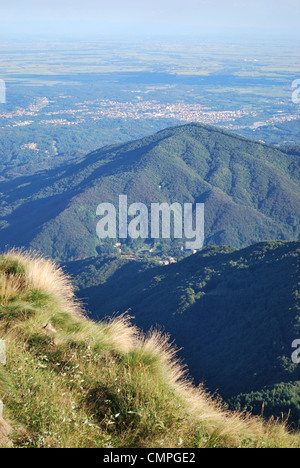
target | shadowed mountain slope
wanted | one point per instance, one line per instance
(234, 313)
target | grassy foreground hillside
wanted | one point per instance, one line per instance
(70, 382)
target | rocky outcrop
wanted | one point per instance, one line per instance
(5, 430)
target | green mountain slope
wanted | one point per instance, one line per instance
(234, 313)
(250, 190)
(71, 383)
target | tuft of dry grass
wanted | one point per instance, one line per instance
(46, 276)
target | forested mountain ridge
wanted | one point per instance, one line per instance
(250, 190)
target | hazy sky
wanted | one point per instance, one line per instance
(276, 17)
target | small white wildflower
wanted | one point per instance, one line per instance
(42, 366)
